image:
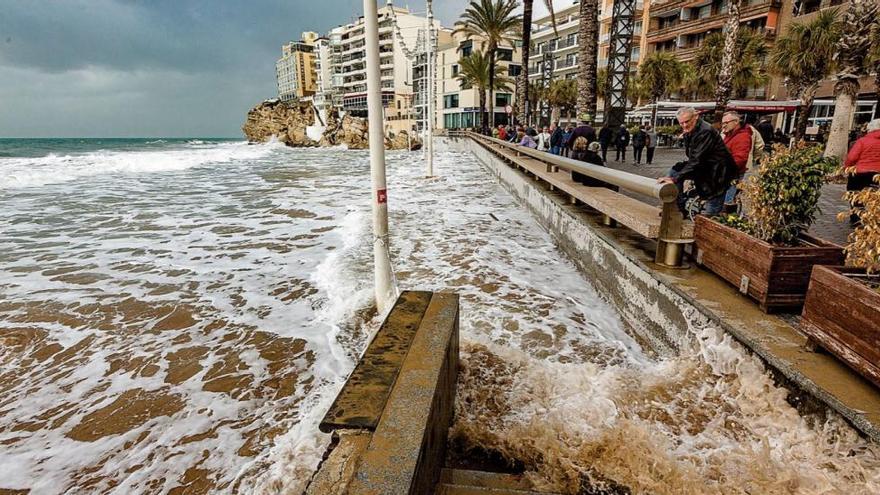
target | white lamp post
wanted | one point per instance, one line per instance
(381, 251)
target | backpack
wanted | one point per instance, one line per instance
(580, 144)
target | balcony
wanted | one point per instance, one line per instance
(714, 21)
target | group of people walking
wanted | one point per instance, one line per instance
(561, 140)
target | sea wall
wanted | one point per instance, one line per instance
(667, 308)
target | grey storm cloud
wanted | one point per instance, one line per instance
(151, 67)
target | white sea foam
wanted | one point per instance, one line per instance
(269, 254)
(18, 173)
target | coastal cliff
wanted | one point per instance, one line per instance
(288, 122)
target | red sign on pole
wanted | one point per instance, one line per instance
(382, 196)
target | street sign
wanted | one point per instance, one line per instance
(508, 109)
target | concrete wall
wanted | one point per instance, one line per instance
(666, 309)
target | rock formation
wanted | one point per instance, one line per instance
(288, 121)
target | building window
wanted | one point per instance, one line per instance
(466, 47)
(454, 70)
(514, 70)
(504, 54)
(450, 101)
(502, 99)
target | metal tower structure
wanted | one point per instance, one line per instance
(622, 25)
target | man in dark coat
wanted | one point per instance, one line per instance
(621, 141)
(556, 139)
(709, 163)
(639, 140)
(585, 130)
(606, 135)
(765, 128)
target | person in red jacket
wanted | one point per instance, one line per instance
(738, 139)
(864, 156)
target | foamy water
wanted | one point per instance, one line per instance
(181, 318)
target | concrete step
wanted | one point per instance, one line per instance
(468, 482)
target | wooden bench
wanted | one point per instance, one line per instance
(638, 216)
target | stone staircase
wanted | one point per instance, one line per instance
(468, 482)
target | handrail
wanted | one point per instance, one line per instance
(665, 192)
(669, 241)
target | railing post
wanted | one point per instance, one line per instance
(669, 245)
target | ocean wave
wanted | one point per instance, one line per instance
(16, 173)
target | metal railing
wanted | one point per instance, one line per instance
(670, 240)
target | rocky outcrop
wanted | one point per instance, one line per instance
(288, 122)
(350, 131)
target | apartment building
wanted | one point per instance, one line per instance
(823, 106)
(563, 43)
(680, 26)
(295, 70)
(396, 47)
(459, 106)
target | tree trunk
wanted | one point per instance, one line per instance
(522, 80)
(483, 109)
(491, 103)
(845, 91)
(725, 75)
(655, 100)
(804, 109)
(877, 86)
(588, 39)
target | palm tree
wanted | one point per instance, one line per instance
(660, 73)
(522, 80)
(852, 52)
(562, 97)
(473, 72)
(728, 62)
(875, 57)
(588, 38)
(494, 22)
(803, 57)
(749, 68)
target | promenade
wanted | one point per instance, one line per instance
(826, 225)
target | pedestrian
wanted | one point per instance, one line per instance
(766, 130)
(566, 139)
(496, 131)
(592, 154)
(740, 142)
(781, 138)
(502, 133)
(621, 141)
(556, 134)
(515, 137)
(709, 165)
(652, 142)
(526, 140)
(639, 140)
(584, 130)
(606, 135)
(864, 158)
(544, 139)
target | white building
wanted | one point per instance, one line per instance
(396, 47)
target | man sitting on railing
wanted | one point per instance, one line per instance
(709, 164)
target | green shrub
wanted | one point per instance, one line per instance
(781, 199)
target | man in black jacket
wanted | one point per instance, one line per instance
(555, 139)
(606, 135)
(621, 141)
(709, 164)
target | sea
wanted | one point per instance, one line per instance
(176, 316)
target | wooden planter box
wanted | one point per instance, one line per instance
(777, 277)
(842, 315)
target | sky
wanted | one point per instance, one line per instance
(154, 68)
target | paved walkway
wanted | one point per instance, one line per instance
(826, 225)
